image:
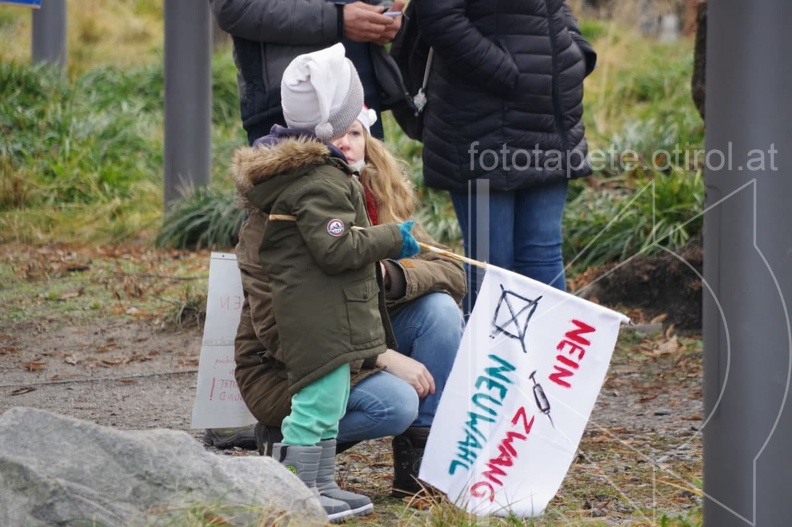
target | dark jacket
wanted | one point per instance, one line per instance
(268, 35)
(505, 95)
(318, 253)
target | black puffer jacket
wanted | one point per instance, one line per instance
(505, 93)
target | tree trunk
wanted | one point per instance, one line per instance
(697, 84)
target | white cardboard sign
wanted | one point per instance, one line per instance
(218, 403)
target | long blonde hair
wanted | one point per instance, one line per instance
(385, 177)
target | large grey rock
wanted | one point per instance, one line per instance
(56, 470)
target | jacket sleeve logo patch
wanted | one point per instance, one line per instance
(335, 227)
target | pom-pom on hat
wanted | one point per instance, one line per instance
(321, 92)
(367, 118)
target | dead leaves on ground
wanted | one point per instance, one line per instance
(668, 346)
(124, 280)
(34, 365)
(74, 359)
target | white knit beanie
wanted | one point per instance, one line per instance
(321, 92)
(367, 118)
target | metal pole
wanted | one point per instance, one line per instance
(188, 96)
(49, 33)
(748, 265)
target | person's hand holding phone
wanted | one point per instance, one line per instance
(394, 12)
(367, 23)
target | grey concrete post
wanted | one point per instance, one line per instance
(748, 265)
(188, 96)
(49, 33)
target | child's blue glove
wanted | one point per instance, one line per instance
(409, 245)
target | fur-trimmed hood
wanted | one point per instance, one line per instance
(287, 154)
(289, 157)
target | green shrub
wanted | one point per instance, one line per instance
(204, 218)
(70, 149)
(637, 213)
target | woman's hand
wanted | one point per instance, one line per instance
(409, 370)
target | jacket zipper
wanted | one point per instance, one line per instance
(556, 103)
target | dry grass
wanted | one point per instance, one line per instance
(121, 33)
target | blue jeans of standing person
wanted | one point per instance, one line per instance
(428, 329)
(518, 230)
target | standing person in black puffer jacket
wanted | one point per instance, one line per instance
(503, 129)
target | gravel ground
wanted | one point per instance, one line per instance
(82, 334)
(640, 456)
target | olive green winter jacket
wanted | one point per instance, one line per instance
(318, 252)
(260, 369)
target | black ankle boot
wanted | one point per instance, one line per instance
(408, 450)
(346, 445)
(265, 437)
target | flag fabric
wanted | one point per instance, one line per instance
(527, 374)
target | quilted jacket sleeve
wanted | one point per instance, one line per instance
(292, 22)
(580, 40)
(445, 25)
(428, 272)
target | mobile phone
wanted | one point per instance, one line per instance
(392, 14)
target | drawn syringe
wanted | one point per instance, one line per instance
(541, 399)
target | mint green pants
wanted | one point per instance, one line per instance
(317, 409)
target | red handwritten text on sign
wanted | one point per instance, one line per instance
(231, 303)
(574, 344)
(497, 467)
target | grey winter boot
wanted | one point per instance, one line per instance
(326, 483)
(408, 450)
(303, 461)
(266, 436)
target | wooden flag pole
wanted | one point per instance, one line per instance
(453, 256)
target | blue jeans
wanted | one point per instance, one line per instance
(428, 329)
(519, 231)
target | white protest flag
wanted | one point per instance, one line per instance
(529, 368)
(218, 403)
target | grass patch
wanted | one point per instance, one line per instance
(643, 132)
(632, 214)
(205, 218)
(220, 515)
(89, 146)
(71, 286)
(75, 153)
(126, 34)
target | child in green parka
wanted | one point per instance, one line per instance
(320, 254)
